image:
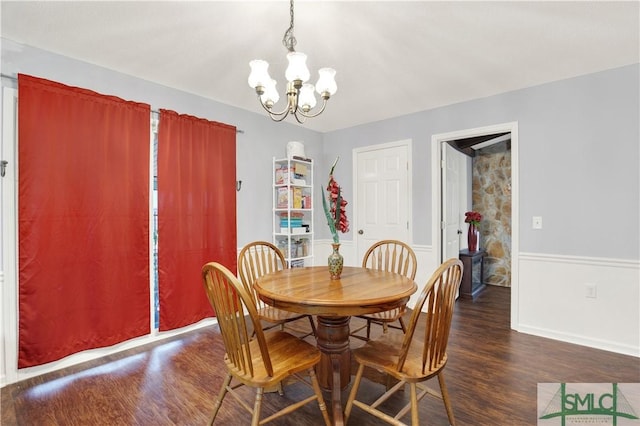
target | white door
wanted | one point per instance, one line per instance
(382, 195)
(454, 189)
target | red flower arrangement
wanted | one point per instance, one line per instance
(335, 208)
(473, 218)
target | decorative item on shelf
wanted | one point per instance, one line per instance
(335, 211)
(473, 236)
(295, 149)
(300, 98)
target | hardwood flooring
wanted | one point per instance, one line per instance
(492, 377)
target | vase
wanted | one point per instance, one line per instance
(472, 237)
(336, 261)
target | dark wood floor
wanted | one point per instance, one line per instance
(492, 377)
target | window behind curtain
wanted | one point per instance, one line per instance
(196, 212)
(83, 220)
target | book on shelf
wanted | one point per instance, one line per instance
(296, 174)
(297, 157)
(297, 198)
(283, 198)
(282, 174)
(300, 169)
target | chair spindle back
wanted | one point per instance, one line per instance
(439, 294)
(255, 260)
(393, 256)
(230, 301)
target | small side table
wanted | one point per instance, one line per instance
(473, 273)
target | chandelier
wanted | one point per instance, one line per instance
(300, 97)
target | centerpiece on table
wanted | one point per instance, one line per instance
(473, 218)
(335, 210)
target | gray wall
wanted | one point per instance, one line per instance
(579, 155)
(578, 140)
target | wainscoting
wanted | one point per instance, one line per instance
(553, 301)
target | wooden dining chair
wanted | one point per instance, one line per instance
(262, 362)
(255, 260)
(412, 357)
(394, 256)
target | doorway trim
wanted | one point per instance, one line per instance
(9, 239)
(436, 197)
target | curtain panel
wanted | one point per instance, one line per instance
(83, 220)
(196, 212)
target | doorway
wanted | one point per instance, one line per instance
(491, 196)
(474, 137)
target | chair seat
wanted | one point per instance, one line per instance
(383, 353)
(385, 316)
(288, 354)
(271, 314)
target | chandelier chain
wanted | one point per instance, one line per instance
(289, 39)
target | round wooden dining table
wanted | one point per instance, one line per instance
(311, 290)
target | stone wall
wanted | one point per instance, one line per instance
(492, 198)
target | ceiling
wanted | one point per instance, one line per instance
(392, 58)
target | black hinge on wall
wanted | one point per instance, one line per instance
(3, 167)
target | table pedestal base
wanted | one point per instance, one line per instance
(334, 369)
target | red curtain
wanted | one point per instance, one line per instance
(196, 212)
(83, 220)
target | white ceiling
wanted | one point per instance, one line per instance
(392, 58)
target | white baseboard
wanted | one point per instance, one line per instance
(605, 345)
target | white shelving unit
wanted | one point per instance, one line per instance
(293, 209)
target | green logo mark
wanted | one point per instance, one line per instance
(588, 404)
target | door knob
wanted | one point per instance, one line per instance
(360, 232)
